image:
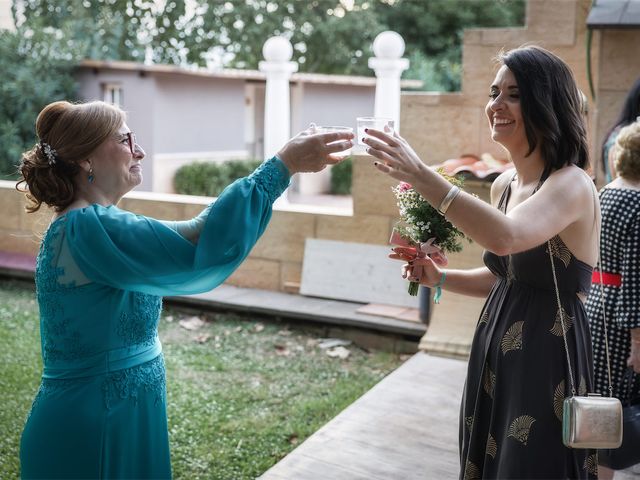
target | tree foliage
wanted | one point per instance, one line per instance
(433, 30)
(111, 29)
(36, 68)
(328, 36)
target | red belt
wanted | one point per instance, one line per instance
(610, 279)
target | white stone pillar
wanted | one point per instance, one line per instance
(277, 52)
(388, 65)
(6, 19)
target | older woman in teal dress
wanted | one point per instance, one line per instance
(100, 411)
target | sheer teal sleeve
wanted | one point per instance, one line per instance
(134, 252)
(190, 229)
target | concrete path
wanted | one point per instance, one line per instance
(406, 428)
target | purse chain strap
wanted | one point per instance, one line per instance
(561, 311)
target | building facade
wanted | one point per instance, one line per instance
(184, 115)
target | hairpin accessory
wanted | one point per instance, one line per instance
(49, 152)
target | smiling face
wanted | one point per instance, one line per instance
(116, 169)
(504, 112)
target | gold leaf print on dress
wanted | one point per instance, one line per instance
(512, 339)
(591, 464)
(484, 318)
(492, 447)
(521, 427)
(557, 325)
(582, 389)
(489, 381)
(558, 400)
(560, 250)
(469, 422)
(471, 472)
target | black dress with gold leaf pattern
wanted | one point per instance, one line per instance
(517, 379)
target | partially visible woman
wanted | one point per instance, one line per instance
(620, 250)
(100, 411)
(629, 114)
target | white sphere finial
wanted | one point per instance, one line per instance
(388, 44)
(277, 49)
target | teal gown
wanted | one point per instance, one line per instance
(100, 411)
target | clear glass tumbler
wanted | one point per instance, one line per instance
(377, 123)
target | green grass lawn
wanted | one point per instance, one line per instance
(241, 393)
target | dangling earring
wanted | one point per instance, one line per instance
(90, 177)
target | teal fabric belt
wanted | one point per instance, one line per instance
(105, 362)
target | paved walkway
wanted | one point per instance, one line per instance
(298, 307)
(406, 428)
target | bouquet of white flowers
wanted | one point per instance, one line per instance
(422, 230)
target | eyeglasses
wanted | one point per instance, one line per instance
(131, 139)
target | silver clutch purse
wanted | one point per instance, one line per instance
(592, 422)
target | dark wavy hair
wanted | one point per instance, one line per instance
(551, 106)
(74, 131)
(629, 113)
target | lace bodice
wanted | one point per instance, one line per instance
(81, 320)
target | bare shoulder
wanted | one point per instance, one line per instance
(570, 182)
(571, 191)
(499, 184)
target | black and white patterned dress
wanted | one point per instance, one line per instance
(620, 247)
(517, 378)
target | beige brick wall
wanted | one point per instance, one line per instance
(20, 232)
(275, 263)
(617, 70)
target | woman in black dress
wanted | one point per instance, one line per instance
(620, 201)
(517, 379)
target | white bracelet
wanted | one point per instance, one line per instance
(448, 200)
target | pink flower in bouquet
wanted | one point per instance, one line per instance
(404, 186)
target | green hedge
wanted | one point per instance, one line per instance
(208, 178)
(341, 177)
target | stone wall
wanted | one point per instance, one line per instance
(617, 70)
(276, 261)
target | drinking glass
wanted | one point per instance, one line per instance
(377, 123)
(335, 128)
